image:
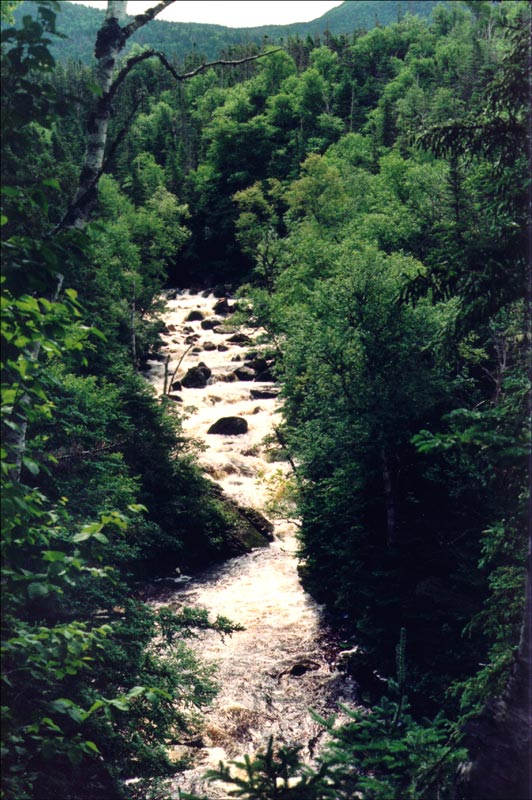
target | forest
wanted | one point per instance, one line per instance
(365, 196)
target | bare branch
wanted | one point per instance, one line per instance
(199, 69)
(131, 62)
(147, 16)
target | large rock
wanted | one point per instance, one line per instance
(245, 373)
(209, 324)
(259, 522)
(229, 426)
(239, 338)
(194, 316)
(225, 329)
(264, 394)
(248, 528)
(257, 363)
(265, 377)
(196, 377)
(223, 307)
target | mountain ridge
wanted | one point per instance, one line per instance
(180, 39)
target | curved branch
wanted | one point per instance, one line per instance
(134, 60)
(142, 19)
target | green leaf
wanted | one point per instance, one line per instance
(37, 590)
(136, 691)
(31, 465)
(88, 745)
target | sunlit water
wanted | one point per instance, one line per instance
(283, 663)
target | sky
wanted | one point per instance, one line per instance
(233, 13)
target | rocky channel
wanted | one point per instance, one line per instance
(285, 661)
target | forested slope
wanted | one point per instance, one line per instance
(190, 41)
(370, 196)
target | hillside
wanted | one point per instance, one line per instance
(178, 39)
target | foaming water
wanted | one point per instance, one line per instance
(282, 663)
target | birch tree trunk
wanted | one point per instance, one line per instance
(110, 41)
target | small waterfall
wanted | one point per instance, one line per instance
(282, 664)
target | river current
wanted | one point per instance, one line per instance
(284, 661)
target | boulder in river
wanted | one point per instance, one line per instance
(245, 373)
(264, 394)
(209, 346)
(196, 377)
(223, 307)
(258, 364)
(209, 324)
(239, 338)
(229, 426)
(265, 376)
(194, 316)
(259, 522)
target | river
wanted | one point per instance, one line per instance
(284, 661)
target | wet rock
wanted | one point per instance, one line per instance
(225, 329)
(188, 329)
(357, 664)
(194, 316)
(264, 394)
(175, 397)
(229, 426)
(209, 324)
(196, 350)
(223, 307)
(236, 358)
(239, 338)
(197, 377)
(176, 386)
(258, 364)
(171, 328)
(209, 346)
(265, 377)
(206, 293)
(192, 339)
(258, 520)
(222, 348)
(245, 373)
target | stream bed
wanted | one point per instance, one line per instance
(284, 662)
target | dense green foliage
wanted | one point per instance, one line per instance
(370, 192)
(99, 486)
